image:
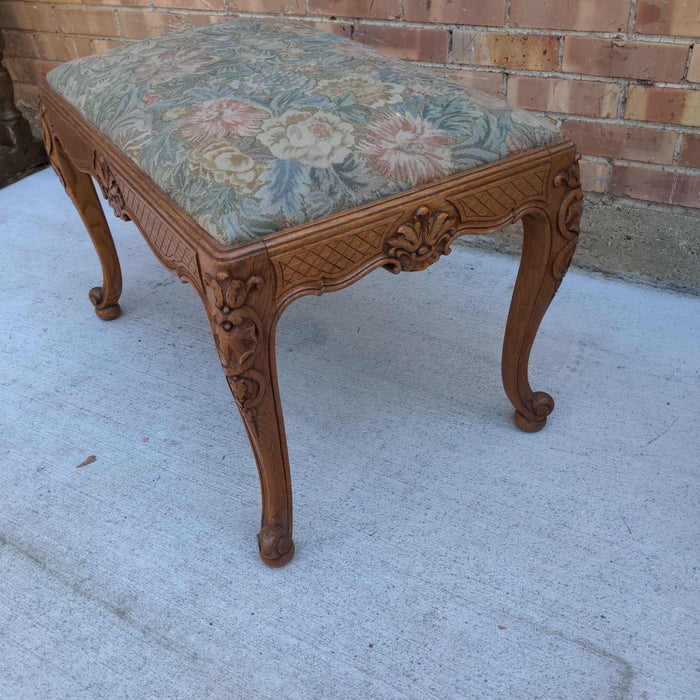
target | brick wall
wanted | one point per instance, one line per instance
(622, 77)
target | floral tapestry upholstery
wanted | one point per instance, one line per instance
(254, 126)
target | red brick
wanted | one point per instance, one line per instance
(20, 15)
(368, 9)
(694, 67)
(56, 47)
(624, 142)
(639, 182)
(594, 175)
(405, 42)
(584, 15)
(95, 22)
(100, 45)
(667, 105)
(686, 193)
(339, 28)
(139, 25)
(533, 52)
(489, 82)
(589, 98)
(199, 20)
(656, 185)
(624, 59)
(27, 70)
(488, 14)
(19, 43)
(122, 3)
(670, 17)
(689, 154)
(216, 5)
(285, 7)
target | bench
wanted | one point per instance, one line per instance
(264, 160)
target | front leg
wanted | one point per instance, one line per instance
(550, 237)
(239, 300)
(80, 189)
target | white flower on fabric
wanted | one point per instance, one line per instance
(407, 148)
(222, 163)
(315, 138)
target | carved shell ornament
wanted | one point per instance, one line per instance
(422, 240)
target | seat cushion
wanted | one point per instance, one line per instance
(254, 126)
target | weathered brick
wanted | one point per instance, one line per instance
(639, 182)
(487, 14)
(534, 52)
(339, 28)
(369, 9)
(27, 70)
(668, 105)
(405, 42)
(663, 186)
(624, 59)
(199, 20)
(594, 175)
(19, 43)
(489, 82)
(593, 99)
(686, 192)
(56, 47)
(93, 21)
(689, 154)
(100, 45)
(139, 25)
(122, 3)
(285, 7)
(694, 67)
(215, 5)
(20, 15)
(628, 142)
(584, 15)
(671, 17)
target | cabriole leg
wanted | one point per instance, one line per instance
(239, 304)
(79, 187)
(549, 241)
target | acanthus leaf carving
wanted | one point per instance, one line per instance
(110, 188)
(237, 334)
(49, 142)
(422, 240)
(568, 217)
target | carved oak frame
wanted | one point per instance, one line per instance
(246, 287)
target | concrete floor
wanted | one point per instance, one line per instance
(441, 552)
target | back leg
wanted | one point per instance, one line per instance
(81, 190)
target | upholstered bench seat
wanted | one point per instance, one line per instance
(263, 160)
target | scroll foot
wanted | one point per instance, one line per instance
(542, 406)
(275, 546)
(107, 312)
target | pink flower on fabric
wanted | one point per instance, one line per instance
(219, 119)
(408, 149)
(150, 98)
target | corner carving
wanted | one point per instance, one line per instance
(49, 142)
(238, 334)
(568, 218)
(422, 240)
(110, 188)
